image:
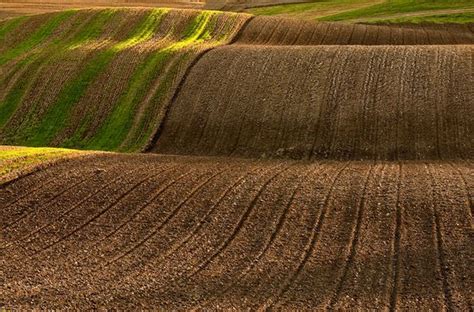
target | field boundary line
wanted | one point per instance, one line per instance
(153, 140)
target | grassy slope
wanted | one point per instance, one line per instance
(54, 49)
(343, 10)
(451, 18)
(16, 161)
(129, 125)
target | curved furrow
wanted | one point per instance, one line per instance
(166, 220)
(182, 272)
(30, 192)
(246, 111)
(323, 109)
(97, 215)
(452, 235)
(95, 247)
(470, 205)
(157, 209)
(25, 185)
(202, 220)
(43, 184)
(29, 237)
(82, 180)
(312, 242)
(440, 253)
(355, 237)
(419, 275)
(197, 244)
(274, 233)
(240, 223)
(201, 266)
(367, 281)
(395, 268)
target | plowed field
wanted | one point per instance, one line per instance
(285, 31)
(217, 233)
(316, 102)
(298, 166)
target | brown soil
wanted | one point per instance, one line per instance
(214, 233)
(316, 102)
(376, 213)
(15, 8)
(285, 31)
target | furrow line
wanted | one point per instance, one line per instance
(201, 222)
(275, 231)
(167, 219)
(355, 238)
(443, 265)
(322, 110)
(239, 225)
(115, 202)
(396, 244)
(160, 191)
(312, 242)
(49, 201)
(470, 210)
(34, 190)
(65, 213)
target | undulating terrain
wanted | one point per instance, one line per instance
(289, 164)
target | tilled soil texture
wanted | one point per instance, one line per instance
(14, 8)
(333, 102)
(99, 79)
(286, 31)
(171, 232)
(16, 162)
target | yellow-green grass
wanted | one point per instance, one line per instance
(453, 18)
(367, 10)
(135, 111)
(17, 161)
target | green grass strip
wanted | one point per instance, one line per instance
(117, 126)
(455, 18)
(37, 37)
(10, 25)
(146, 126)
(399, 7)
(91, 30)
(9, 105)
(56, 118)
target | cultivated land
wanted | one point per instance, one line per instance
(373, 11)
(294, 165)
(16, 162)
(56, 78)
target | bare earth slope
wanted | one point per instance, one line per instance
(13, 8)
(374, 213)
(351, 102)
(188, 232)
(285, 31)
